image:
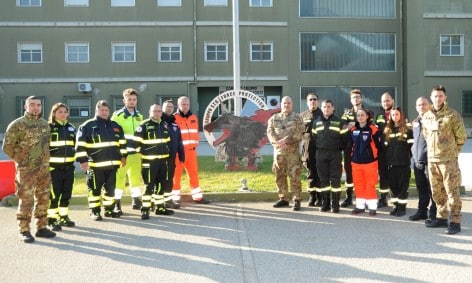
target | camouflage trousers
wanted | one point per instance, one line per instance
(32, 185)
(445, 179)
(287, 165)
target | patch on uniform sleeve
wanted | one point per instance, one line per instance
(139, 129)
(79, 133)
(116, 130)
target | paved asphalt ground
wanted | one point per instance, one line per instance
(243, 242)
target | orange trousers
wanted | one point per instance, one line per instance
(191, 167)
(365, 178)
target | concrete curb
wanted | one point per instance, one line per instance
(12, 200)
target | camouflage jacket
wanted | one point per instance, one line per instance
(288, 126)
(445, 134)
(26, 141)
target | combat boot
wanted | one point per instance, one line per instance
(65, 221)
(136, 203)
(172, 204)
(312, 199)
(112, 213)
(144, 214)
(117, 210)
(335, 206)
(419, 215)
(161, 210)
(382, 200)
(348, 201)
(401, 211)
(325, 201)
(318, 199)
(453, 228)
(95, 214)
(395, 208)
(45, 233)
(26, 237)
(436, 223)
(296, 205)
(54, 224)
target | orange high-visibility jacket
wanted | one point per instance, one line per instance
(188, 125)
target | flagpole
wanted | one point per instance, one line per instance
(236, 59)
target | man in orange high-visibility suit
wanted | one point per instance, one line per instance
(188, 124)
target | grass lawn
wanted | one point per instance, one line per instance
(214, 178)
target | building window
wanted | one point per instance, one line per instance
(124, 52)
(116, 102)
(30, 53)
(260, 3)
(77, 52)
(452, 45)
(169, 3)
(216, 3)
(340, 96)
(28, 3)
(216, 51)
(79, 107)
(122, 3)
(79, 3)
(261, 51)
(20, 105)
(467, 102)
(381, 9)
(347, 52)
(169, 52)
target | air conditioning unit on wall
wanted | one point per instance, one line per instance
(84, 87)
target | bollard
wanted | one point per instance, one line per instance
(7, 178)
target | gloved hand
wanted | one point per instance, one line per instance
(419, 165)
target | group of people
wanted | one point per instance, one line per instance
(125, 148)
(380, 149)
(114, 150)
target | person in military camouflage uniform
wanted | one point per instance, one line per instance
(308, 150)
(285, 130)
(26, 141)
(444, 132)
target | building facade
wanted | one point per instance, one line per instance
(81, 51)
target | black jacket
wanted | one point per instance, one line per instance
(152, 139)
(398, 149)
(330, 133)
(62, 144)
(419, 149)
(101, 143)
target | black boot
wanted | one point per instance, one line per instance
(420, 214)
(136, 203)
(395, 208)
(144, 213)
(335, 206)
(312, 199)
(401, 211)
(325, 201)
(117, 210)
(53, 224)
(318, 199)
(382, 200)
(348, 201)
